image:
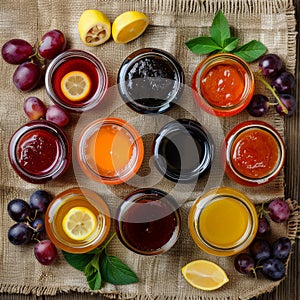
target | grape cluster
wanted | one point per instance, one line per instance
(32, 59)
(30, 225)
(280, 82)
(264, 256)
(36, 109)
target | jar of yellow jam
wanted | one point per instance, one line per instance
(223, 221)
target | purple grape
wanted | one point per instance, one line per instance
(260, 249)
(52, 43)
(270, 65)
(57, 115)
(244, 263)
(27, 76)
(19, 234)
(273, 269)
(39, 200)
(289, 103)
(45, 252)
(283, 82)
(19, 210)
(263, 226)
(281, 248)
(38, 224)
(279, 210)
(16, 51)
(35, 108)
(258, 106)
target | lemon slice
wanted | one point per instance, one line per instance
(94, 27)
(204, 275)
(79, 223)
(128, 26)
(75, 85)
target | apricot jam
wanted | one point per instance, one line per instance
(253, 153)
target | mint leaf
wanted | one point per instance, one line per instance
(78, 261)
(230, 44)
(114, 271)
(219, 30)
(203, 45)
(250, 51)
(92, 273)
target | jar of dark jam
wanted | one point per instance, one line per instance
(183, 150)
(148, 222)
(39, 151)
(150, 80)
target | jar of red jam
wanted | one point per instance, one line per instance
(223, 84)
(148, 222)
(39, 151)
(150, 80)
(253, 153)
(91, 77)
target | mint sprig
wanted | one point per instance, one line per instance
(98, 267)
(220, 40)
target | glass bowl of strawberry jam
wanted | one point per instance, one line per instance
(253, 153)
(223, 84)
(39, 151)
(150, 80)
(76, 80)
(110, 151)
(148, 222)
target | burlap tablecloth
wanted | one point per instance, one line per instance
(171, 24)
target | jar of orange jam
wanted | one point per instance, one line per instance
(253, 153)
(223, 84)
(223, 221)
(110, 151)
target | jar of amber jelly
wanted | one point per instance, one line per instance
(223, 84)
(253, 153)
(39, 151)
(223, 221)
(83, 200)
(148, 222)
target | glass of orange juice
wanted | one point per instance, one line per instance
(223, 221)
(77, 220)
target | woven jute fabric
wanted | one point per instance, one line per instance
(171, 24)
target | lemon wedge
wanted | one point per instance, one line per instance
(204, 275)
(75, 85)
(94, 27)
(79, 223)
(128, 26)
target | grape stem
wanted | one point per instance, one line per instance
(272, 90)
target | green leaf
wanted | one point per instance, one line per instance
(78, 261)
(202, 45)
(92, 273)
(114, 271)
(219, 30)
(251, 51)
(230, 44)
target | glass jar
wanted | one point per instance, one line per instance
(223, 84)
(110, 151)
(223, 221)
(183, 150)
(62, 204)
(76, 60)
(39, 151)
(253, 153)
(150, 80)
(148, 222)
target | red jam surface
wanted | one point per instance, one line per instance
(223, 85)
(38, 151)
(255, 153)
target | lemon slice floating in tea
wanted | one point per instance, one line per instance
(204, 275)
(94, 27)
(79, 223)
(128, 26)
(75, 85)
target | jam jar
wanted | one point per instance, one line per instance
(39, 151)
(150, 80)
(148, 221)
(253, 153)
(183, 150)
